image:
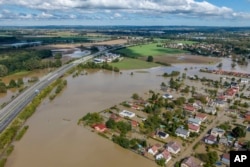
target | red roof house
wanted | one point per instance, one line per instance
(115, 117)
(100, 127)
(134, 123)
(189, 108)
(201, 116)
(193, 128)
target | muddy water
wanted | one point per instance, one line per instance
(55, 140)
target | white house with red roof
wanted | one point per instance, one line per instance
(189, 108)
(173, 147)
(154, 149)
(200, 116)
(100, 127)
(191, 162)
(164, 155)
(210, 139)
(193, 128)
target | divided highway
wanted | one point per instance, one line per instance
(11, 110)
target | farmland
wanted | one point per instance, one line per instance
(148, 50)
(128, 63)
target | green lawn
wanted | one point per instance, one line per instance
(148, 50)
(128, 64)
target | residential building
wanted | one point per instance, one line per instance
(182, 133)
(165, 154)
(194, 121)
(100, 127)
(244, 81)
(190, 108)
(154, 149)
(210, 110)
(224, 140)
(200, 116)
(225, 158)
(173, 147)
(193, 128)
(210, 139)
(219, 103)
(134, 123)
(247, 116)
(115, 117)
(126, 113)
(217, 132)
(162, 135)
(191, 162)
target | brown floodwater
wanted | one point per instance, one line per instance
(55, 140)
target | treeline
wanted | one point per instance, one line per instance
(59, 88)
(93, 65)
(18, 60)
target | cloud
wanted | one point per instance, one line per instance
(184, 8)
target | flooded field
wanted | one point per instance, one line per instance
(55, 140)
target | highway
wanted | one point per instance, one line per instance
(11, 110)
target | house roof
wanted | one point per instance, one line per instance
(174, 145)
(211, 138)
(191, 162)
(181, 131)
(115, 117)
(166, 154)
(193, 127)
(218, 130)
(194, 120)
(163, 134)
(200, 115)
(134, 123)
(189, 107)
(226, 156)
(100, 126)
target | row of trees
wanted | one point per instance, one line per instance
(12, 84)
(29, 60)
(93, 65)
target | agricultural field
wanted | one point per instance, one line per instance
(128, 63)
(148, 50)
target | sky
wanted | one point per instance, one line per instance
(125, 12)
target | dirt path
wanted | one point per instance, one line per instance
(189, 150)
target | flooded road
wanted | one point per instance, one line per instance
(55, 140)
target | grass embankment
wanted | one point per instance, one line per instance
(9, 134)
(148, 50)
(128, 63)
(22, 132)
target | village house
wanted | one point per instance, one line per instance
(244, 81)
(230, 93)
(194, 121)
(162, 135)
(182, 133)
(210, 110)
(115, 117)
(173, 147)
(247, 116)
(217, 132)
(134, 123)
(225, 158)
(164, 155)
(190, 108)
(154, 149)
(100, 127)
(219, 103)
(197, 104)
(210, 139)
(191, 162)
(193, 128)
(126, 113)
(200, 116)
(224, 140)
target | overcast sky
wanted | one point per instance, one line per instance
(125, 12)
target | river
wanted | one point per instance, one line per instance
(55, 140)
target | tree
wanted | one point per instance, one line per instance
(247, 145)
(20, 82)
(3, 70)
(111, 124)
(12, 83)
(135, 96)
(150, 59)
(58, 56)
(58, 63)
(239, 132)
(160, 162)
(3, 88)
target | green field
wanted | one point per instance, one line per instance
(186, 42)
(148, 50)
(128, 63)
